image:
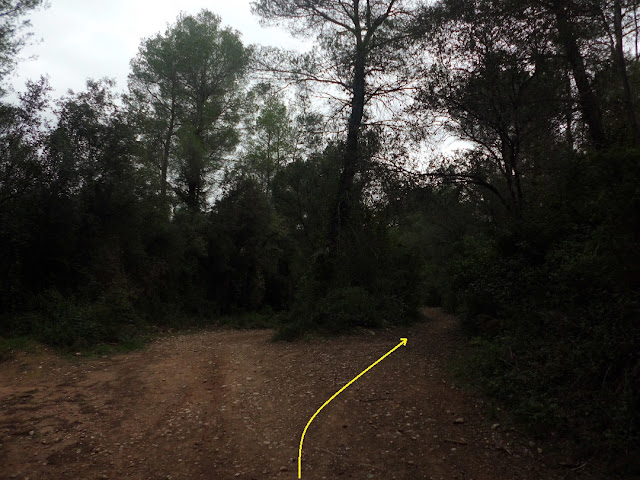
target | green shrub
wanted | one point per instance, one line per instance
(565, 355)
(247, 320)
(68, 322)
(9, 346)
(342, 310)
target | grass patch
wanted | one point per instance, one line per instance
(10, 346)
(247, 320)
(131, 345)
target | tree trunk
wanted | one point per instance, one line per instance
(635, 22)
(196, 161)
(621, 67)
(193, 196)
(568, 112)
(351, 158)
(588, 101)
(512, 173)
(167, 151)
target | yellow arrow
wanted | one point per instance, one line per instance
(403, 342)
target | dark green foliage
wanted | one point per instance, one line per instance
(69, 322)
(9, 346)
(339, 311)
(185, 98)
(560, 318)
(545, 275)
(249, 252)
(375, 277)
(374, 284)
(21, 177)
(67, 278)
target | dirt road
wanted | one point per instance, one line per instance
(231, 404)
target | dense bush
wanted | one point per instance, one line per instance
(374, 285)
(68, 322)
(560, 327)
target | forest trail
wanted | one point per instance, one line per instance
(232, 404)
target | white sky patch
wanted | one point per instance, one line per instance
(82, 39)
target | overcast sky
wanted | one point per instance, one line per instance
(80, 39)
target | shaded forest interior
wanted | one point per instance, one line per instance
(210, 193)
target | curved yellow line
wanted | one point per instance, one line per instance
(403, 341)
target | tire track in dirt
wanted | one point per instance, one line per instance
(232, 404)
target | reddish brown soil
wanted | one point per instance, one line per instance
(232, 404)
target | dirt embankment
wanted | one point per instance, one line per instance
(228, 404)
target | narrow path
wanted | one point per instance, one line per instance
(229, 404)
